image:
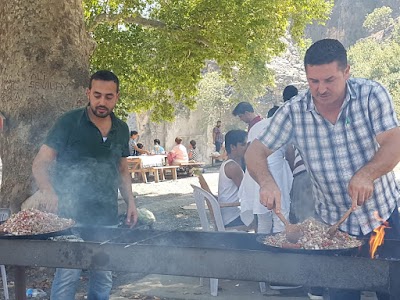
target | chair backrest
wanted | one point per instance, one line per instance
(204, 184)
(201, 196)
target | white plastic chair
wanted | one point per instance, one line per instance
(4, 215)
(201, 197)
(4, 279)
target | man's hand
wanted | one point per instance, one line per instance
(361, 187)
(270, 196)
(49, 201)
(131, 214)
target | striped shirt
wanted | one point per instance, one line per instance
(333, 153)
(299, 166)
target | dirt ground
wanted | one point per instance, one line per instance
(166, 200)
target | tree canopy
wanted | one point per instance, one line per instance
(377, 59)
(158, 47)
(379, 19)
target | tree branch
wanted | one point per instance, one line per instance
(139, 20)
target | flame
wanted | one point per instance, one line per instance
(377, 237)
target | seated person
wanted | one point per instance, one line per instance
(140, 146)
(178, 154)
(193, 154)
(157, 149)
(134, 150)
(230, 177)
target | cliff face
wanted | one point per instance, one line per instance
(345, 23)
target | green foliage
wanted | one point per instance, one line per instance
(214, 96)
(379, 19)
(378, 61)
(304, 46)
(158, 48)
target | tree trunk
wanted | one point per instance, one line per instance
(44, 63)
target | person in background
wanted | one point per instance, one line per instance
(289, 92)
(134, 150)
(249, 191)
(193, 154)
(272, 111)
(245, 112)
(158, 149)
(218, 137)
(79, 169)
(348, 135)
(178, 154)
(230, 177)
(140, 146)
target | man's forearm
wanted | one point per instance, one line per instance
(40, 171)
(125, 185)
(125, 188)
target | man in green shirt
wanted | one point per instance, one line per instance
(79, 170)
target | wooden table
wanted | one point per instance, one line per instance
(155, 164)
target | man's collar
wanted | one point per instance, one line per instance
(254, 121)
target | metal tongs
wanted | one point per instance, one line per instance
(293, 231)
(332, 230)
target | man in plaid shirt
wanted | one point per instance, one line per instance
(348, 136)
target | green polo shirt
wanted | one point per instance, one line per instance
(86, 174)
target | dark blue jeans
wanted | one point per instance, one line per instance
(384, 250)
(218, 146)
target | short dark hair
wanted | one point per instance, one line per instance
(272, 111)
(157, 142)
(234, 137)
(324, 52)
(178, 140)
(193, 143)
(241, 108)
(134, 132)
(104, 75)
(139, 145)
(289, 92)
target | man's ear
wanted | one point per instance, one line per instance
(87, 92)
(347, 72)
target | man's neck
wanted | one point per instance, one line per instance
(237, 159)
(331, 111)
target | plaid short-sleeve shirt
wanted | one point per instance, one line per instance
(333, 153)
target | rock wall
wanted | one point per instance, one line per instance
(345, 23)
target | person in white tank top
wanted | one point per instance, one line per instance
(231, 175)
(249, 191)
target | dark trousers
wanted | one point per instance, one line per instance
(218, 146)
(392, 233)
